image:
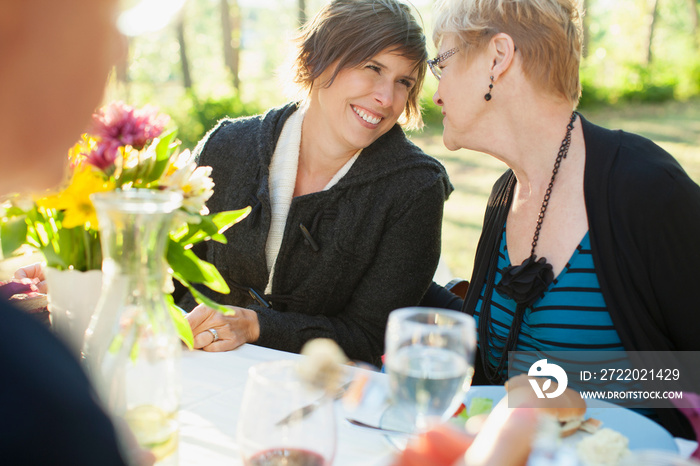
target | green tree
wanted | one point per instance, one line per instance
(694, 19)
(653, 17)
(302, 12)
(231, 38)
(184, 59)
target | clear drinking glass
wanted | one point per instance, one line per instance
(430, 362)
(283, 420)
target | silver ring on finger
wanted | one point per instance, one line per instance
(214, 333)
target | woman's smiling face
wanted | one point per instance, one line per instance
(365, 101)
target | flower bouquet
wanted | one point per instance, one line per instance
(126, 148)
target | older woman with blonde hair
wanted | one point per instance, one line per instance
(610, 214)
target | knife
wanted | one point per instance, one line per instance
(300, 413)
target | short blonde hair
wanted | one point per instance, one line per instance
(548, 34)
(352, 32)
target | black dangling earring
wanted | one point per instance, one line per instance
(487, 97)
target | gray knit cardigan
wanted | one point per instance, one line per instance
(371, 245)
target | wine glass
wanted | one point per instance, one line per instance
(430, 362)
(284, 420)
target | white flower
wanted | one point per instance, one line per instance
(198, 191)
(193, 182)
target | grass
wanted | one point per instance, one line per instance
(675, 126)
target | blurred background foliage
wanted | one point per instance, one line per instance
(229, 58)
(640, 71)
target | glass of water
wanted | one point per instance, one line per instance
(430, 363)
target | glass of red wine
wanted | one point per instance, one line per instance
(284, 420)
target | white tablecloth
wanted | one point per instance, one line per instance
(212, 390)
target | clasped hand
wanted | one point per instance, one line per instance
(229, 330)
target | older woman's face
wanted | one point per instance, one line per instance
(460, 93)
(363, 102)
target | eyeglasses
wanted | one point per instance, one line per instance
(434, 64)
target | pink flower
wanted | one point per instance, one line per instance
(103, 155)
(120, 124)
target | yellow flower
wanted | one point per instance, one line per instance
(79, 151)
(74, 201)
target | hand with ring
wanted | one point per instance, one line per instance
(214, 331)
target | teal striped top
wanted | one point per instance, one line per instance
(571, 315)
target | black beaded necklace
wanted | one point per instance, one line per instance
(523, 283)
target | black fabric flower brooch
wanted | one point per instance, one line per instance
(526, 282)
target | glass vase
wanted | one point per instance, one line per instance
(132, 350)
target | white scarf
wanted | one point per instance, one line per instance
(283, 177)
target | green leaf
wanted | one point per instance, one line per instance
(203, 299)
(134, 353)
(224, 220)
(13, 234)
(195, 232)
(182, 326)
(116, 343)
(165, 146)
(14, 211)
(53, 259)
(187, 265)
(210, 227)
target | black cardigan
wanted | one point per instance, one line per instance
(371, 245)
(644, 224)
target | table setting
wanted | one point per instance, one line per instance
(213, 399)
(123, 228)
(217, 410)
(379, 412)
(369, 432)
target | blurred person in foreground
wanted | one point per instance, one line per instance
(48, 90)
(622, 219)
(347, 212)
(505, 439)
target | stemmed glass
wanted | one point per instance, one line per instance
(430, 362)
(284, 420)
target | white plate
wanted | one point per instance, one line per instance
(643, 433)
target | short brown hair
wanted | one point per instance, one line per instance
(353, 31)
(548, 34)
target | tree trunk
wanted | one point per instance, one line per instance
(694, 20)
(302, 12)
(231, 29)
(586, 27)
(184, 60)
(652, 23)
